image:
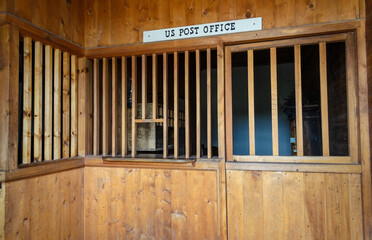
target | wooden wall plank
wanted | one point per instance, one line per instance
(144, 86)
(355, 210)
(198, 104)
(274, 102)
(57, 125)
(163, 208)
(165, 105)
(154, 86)
(66, 106)
(324, 97)
(179, 214)
(209, 104)
(96, 112)
(124, 108)
(252, 145)
(114, 107)
(134, 105)
(187, 106)
(27, 96)
(48, 113)
(194, 218)
(228, 103)
(298, 90)
(38, 101)
(74, 106)
(175, 106)
(105, 106)
(221, 99)
(235, 204)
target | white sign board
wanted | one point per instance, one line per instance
(203, 30)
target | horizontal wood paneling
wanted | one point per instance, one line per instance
(125, 21)
(293, 205)
(45, 207)
(150, 203)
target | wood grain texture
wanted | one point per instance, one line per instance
(134, 105)
(154, 86)
(175, 105)
(124, 109)
(198, 104)
(251, 118)
(38, 101)
(144, 86)
(298, 91)
(57, 102)
(209, 105)
(96, 111)
(27, 97)
(324, 97)
(48, 113)
(66, 106)
(74, 106)
(105, 107)
(274, 102)
(165, 105)
(114, 93)
(187, 106)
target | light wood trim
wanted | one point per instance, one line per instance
(291, 159)
(228, 103)
(221, 99)
(298, 90)
(147, 160)
(252, 144)
(149, 120)
(292, 167)
(74, 106)
(27, 99)
(352, 107)
(324, 97)
(124, 109)
(114, 107)
(187, 107)
(209, 104)
(198, 117)
(105, 106)
(144, 86)
(134, 104)
(175, 105)
(274, 102)
(38, 101)
(66, 106)
(48, 92)
(57, 105)
(96, 107)
(154, 86)
(165, 105)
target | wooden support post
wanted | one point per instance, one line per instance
(74, 106)
(27, 99)
(209, 104)
(228, 108)
(154, 86)
(57, 105)
(221, 99)
(165, 105)
(105, 107)
(175, 105)
(324, 97)
(198, 105)
(187, 107)
(298, 90)
(38, 101)
(48, 93)
(252, 145)
(85, 96)
(66, 106)
(144, 86)
(114, 107)
(124, 109)
(96, 107)
(274, 102)
(134, 104)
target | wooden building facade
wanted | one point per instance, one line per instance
(255, 135)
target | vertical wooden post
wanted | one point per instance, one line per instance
(57, 105)
(221, 99)
(144, 86)
(114, 93)
(96, 107)
(175, 105)
(324, 97)
(165, 105)
(134, 104)
(154, 86)
(187, 107)
(209, 104)
(124, 109)
(27, 99)
(48, 92)
(298, 90)
(252, 145)
(228, 108)
(274, 102)
(84, 141)
(66, 106)
(105, 107)
(198, 119)
(38, 101)
(74, 107)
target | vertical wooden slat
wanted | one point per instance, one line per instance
(57, 105)
(114, 93)
(95, 107)
(198, 119)
(124, 109)
(48, 92)
(252, 146)
(105, 107)
(165, 105)
(74, 107)
(134, 104)
(66, 106)
(175, 105)
(274, 102)
(209, 104)
(154, 86)
(27, 99)
(324, 97)
(187, 106)
(38, 101)
(228, 109)
(144, 86)
(298, 90)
